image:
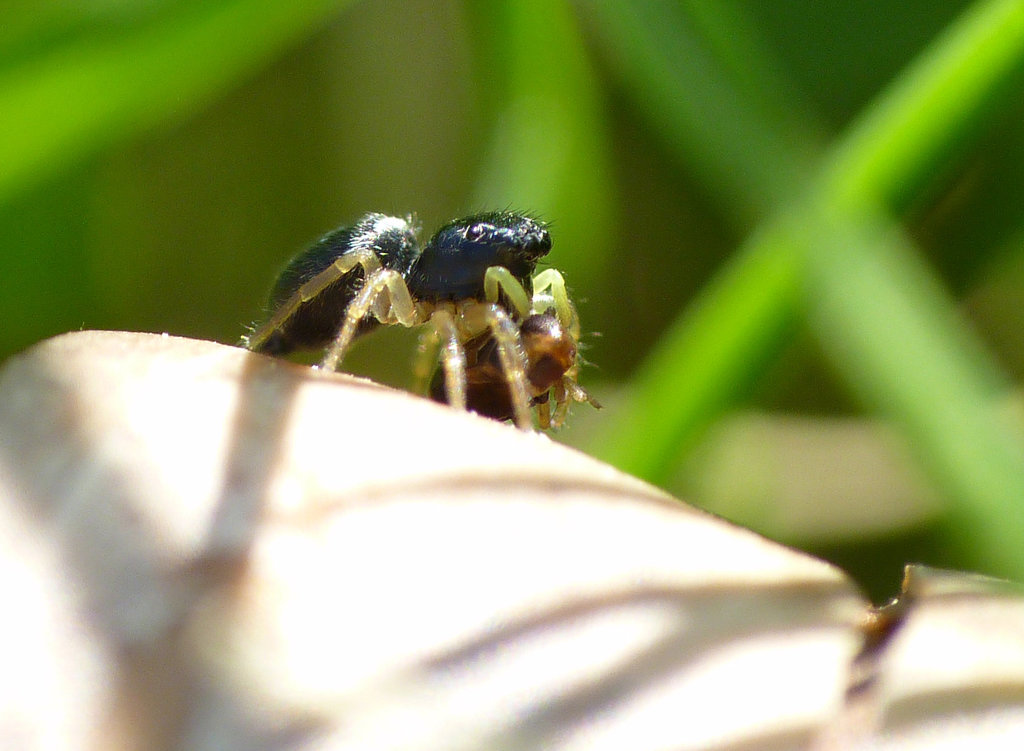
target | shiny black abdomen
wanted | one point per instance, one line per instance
(318, 320)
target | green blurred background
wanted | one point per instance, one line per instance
(794, 230)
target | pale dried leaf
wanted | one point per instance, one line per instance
(210, 549)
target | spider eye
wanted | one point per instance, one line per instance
(476, 231)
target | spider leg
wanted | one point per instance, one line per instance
(427, 350)
(513, 361)
(551, 279)
(453, 358)
(498, 278)
(544, 414)
(401, 309)
(344, 264)
(562, 408)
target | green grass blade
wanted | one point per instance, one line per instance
(709, 89)
(930, 114)
(893, 334)
(87, 92)
(686, 381)
(713, 352)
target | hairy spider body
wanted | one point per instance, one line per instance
(473, 282)
(315, 322)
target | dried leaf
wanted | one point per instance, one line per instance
(210, 549)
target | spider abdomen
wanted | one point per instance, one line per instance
(315, 322)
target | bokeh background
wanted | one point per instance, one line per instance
(794, 230)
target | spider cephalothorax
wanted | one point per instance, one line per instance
(507, 338)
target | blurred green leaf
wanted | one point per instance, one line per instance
(713, 92)
(890, 326)
(934, 111)
(714, 351)
(87, 91)
(943, 395)
(894, 336)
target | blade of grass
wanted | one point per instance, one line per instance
(929, 115)
(868, 297)
(74, 99)
(888, 323)
(989, 42)
(894, 337)
(709, 88)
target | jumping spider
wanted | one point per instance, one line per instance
(508, 340)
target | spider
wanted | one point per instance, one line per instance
(507, 338)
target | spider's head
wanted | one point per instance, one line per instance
(455, 260)
(511, 236)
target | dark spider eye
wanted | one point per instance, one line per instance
(475, 232)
